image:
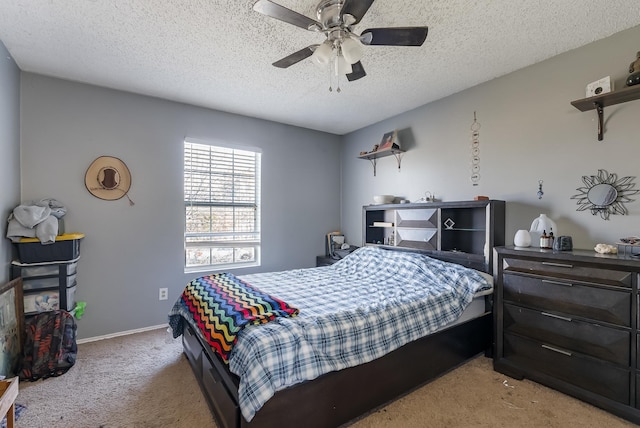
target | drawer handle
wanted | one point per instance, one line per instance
(559, 351)
(567, 284)
(547, 314)
(564, 265)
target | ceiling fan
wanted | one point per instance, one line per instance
(342, 49)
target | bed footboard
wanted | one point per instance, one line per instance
(219, 386)
(339, 397)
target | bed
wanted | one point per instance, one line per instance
(407, 340)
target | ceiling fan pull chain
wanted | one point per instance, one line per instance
(337, 73)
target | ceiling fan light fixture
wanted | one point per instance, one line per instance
(343, 66)
(352, 50)
(322, 54)
(348, 19)
(366, 38)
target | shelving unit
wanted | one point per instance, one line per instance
(454, 231)
(374, 156)
(599, 102)
(47, 286)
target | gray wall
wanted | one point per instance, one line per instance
(10, 149)
(529, 132)
(131, 251)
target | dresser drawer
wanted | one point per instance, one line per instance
(607, 343)
(569, 270)
(584, 372)
(557, 295)
(638, 351)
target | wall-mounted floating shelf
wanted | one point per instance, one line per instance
(373, 157)
(599, 102)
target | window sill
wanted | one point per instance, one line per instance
(220, 268)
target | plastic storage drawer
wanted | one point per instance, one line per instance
(51, 282)
(31, 270)
(66, 247)
(49, 300)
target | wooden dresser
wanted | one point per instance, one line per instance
(570, 320)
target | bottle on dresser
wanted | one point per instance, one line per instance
(544, 240)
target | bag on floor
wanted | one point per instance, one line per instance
(50, 347)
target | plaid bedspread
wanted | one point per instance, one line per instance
(221, 305)
(354, 311)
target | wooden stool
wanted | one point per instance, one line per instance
(8, 395)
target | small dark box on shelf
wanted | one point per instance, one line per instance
(66, 247)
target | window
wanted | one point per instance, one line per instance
(222, 206)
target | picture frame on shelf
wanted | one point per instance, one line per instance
(11, 326)
(330, 243)
(601, 86)
(389, 141)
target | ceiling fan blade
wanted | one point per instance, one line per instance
(355, 8)
(357, 72)
(397, 36)
(295, 57)
(276, 11)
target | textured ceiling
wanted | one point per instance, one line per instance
(218, 53)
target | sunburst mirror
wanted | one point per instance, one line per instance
(604, 194)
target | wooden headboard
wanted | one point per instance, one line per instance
(463, 232)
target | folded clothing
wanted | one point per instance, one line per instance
(36, 220)
(31, 215)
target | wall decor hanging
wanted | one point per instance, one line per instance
(540, 192)
(604, 194)
(475, 151)
(108, 178)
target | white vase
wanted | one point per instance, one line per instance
(539, 225)
(522, 238)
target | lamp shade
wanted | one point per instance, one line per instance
(352, 50)
(343, 66)
(322, 54)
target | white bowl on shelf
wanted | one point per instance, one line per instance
(383, 199)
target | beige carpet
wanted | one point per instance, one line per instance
(143, 380)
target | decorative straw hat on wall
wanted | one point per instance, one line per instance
(108, 178)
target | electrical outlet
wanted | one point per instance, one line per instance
(163, 294)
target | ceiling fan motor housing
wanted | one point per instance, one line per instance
(328, 13)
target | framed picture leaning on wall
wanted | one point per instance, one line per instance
(11, 325)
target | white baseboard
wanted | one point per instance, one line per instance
(121, 333)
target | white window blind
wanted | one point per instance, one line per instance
(222, 206)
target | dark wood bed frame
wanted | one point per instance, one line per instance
(339, 397)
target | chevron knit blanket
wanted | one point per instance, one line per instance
(221, 305)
